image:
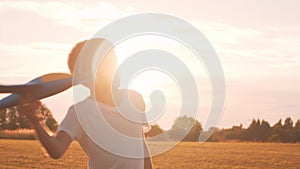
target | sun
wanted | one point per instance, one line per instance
(148, 81)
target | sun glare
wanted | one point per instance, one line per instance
(153, 79)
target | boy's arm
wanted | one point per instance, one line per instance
(139, 104)
(55, 145)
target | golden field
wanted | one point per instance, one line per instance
(17, 154)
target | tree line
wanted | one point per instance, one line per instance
(11, 119)
(184, 128)
(260, 131)
(257, 131)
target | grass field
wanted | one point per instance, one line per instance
(16, 154)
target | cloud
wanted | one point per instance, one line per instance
(255, 51)
(261, 61)
(268, 98)
(261, 66)
(38, 31)
(33, 59)
(70, 14)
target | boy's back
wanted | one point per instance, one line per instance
(108, 138)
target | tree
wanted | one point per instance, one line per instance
(2, 118)
(259, 131)
(186, 128)
(235, 133)
(11, 119)
(212, 135)
(287, 133)
(279, 133)
(297, 131)
(49, 119)
(251, 133)
(297, 125)
(264, 131)
(288, 124)
(155, 130)
(193, 135)
(24, 123)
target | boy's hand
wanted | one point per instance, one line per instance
(31, 111)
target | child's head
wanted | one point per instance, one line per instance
(74, 54)
(102, 73)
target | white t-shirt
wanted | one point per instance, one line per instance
(97, 137)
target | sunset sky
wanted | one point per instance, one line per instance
(258, 44)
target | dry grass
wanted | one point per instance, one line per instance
(16, 154)
(17, 134)
(231, 155)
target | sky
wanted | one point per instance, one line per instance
(257, 43)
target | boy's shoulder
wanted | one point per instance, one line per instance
(132, 93)
(135, 98)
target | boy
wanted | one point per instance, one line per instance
(104, 96)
